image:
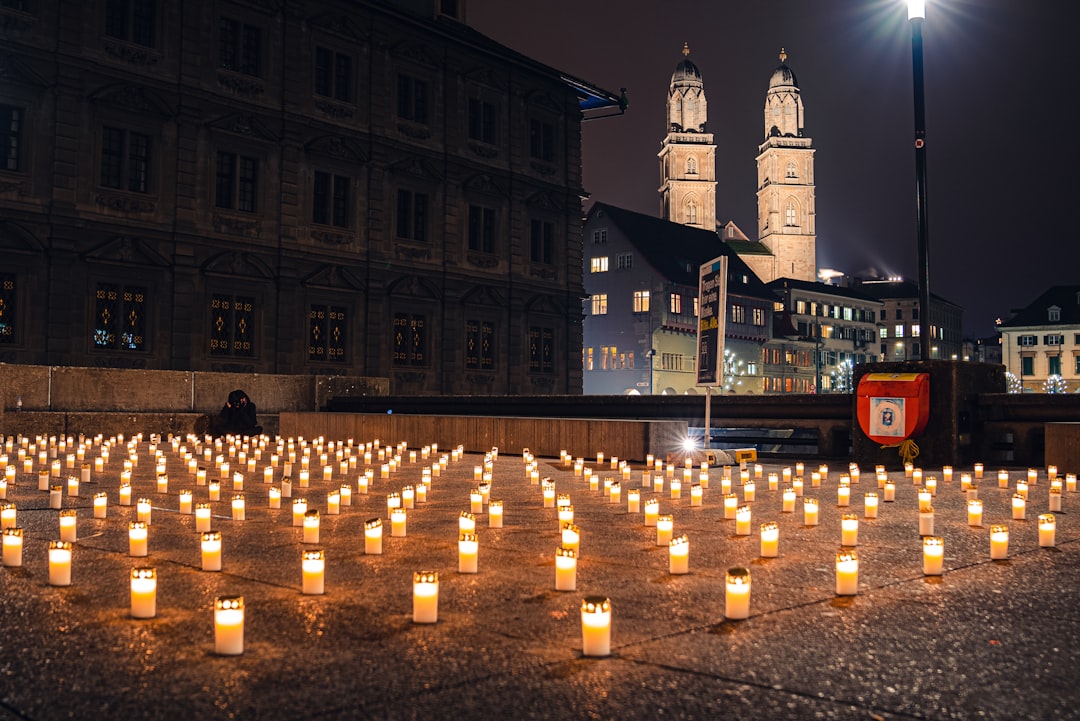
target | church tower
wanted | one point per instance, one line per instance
(785, 164)
(688, 154)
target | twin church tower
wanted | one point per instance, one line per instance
(785, 174)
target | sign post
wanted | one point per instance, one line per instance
(712, 299)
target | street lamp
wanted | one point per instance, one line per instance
(916, 15)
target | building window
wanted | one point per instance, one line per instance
(326, 333)
(333, 74)
(542, 242)
(589, 359)
(691, 165)
(671, 361)
(624, 261)
(482, 121)
(240, 47)
(541, 140)
(675, 303)
(738, 313)
(898, 330)
(599, 304)
(758, 316)
(412, 99)
(120, 317)
(330, 199)
(237, 182)
(7, 307)
(480, 345)
(11, 135)
(1076, 359)
(641, 301)
(697, 306)
(1053, 314)
(412, 215)
(599, 237)
(789, 215)
(791, 172)
(1054, 365)
(232, 325)
(481, 229)
(1054, 339)
(1027, 366)
(410, 339)
(541, 349)
(915, 332)
(130, 20)
(1028, 340)
(691, 212)
(125, 159)
(599, 264)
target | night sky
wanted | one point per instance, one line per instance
(1003, 162)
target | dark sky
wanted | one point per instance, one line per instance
(1002, 147)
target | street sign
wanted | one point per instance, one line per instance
(712, 299)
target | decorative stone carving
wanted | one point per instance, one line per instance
(327, 238)
(412, 253)
(414, 131)
(482, 260)
(333, 110)
(482, 150)
(541, 167)
(134, 54)
(240, 85)
(237, 226)
(124, 203)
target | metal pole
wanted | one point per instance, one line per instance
(708, 413)
(925, 331)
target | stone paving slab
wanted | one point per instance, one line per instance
(988, 639)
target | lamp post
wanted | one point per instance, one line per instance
(916, 16)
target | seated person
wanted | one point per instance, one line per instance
(238, 416)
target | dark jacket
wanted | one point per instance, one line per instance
(238, 416)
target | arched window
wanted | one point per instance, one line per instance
(691, 165)
(789, 214)
(691, 212)
(792, 172)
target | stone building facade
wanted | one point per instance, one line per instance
(355, 188)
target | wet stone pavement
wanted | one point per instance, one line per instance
(986, 639)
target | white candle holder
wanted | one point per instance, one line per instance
(933, 555)
(425, 597)
(596, 626)
(679, 555)
(313, 571)
(770, 539)
(210, 546)
(999, 542)
(229, 625)
(847, 573)
(143, 593)
(737, 594)
(60, 563)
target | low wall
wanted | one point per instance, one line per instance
(89, 423)
(627, 439)
(1063, 446)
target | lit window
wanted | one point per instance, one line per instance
(738, 313)
(675, 303)
(915, 330)
(599, 304)
(120, 317)
(898, 330)
(759, 316)
(641, 301)
(599, 264)
(696, 306)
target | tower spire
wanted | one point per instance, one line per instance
(783, 55)
(686, 49)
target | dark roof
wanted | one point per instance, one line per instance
(781, 284)
(896, 289)
(1065, 297)
(677, 251)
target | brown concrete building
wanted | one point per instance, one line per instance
(355, 188)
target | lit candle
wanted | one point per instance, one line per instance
(8, 515)
(393, 500)
(1051, 472)
(843, 496)
(1019, 507)
(909, 470)
(810, 511)
(615, 492)
(847, 573)
(965, 481)
(565, 569)
(737, 594)
(1003, 479)
(299, 508)
(239, 508)
(652, 509)
(202, 517)
(268, 474)
(1047, 530)
(143, 593)
(658, 484)
(933, 549)
(200, 477)
(770, 539)
(229, 625)
(1070, 482)
(333, 503)
(211, 550)
(101, 505)
(1032, 476)
(73, 486)
(931, 485)
(363, 482)
(882, 477)
(566, 514)
(1022, 489)
(468, 550)
(398, 522)
(696, 494)
(408, 498)
(925, 499)
(12, 547)
(742, 521)
(890, 492)
(679, 555)
(213, 490)
(312, 571)
(68, 521)
(774, 481)
(422, 490)
(238, 481)
(466, 522)
(186, 497)
(425, 597)
(917, 477)
(60, 563)
(849, 529)
(725, 486)
(495, 514)
(373, 532)
(665, 525)
(947, 473)
(311, 526)
(785, 474)
(815, 480)
(596, 626)
(570, 536)
(749, 492)
(138, 536)
(788, 500)
(99, 464)
(999, 542)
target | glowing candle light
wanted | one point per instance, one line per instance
(615, 493)
(398, 522)
(843, 495)
(658, 484)
(1003, 479)
(565, 569)
(665, 525)
(186, 498)
(143, 593)
(785, 474)
(596, 626)
(870, 504)
(1019, 507)
(12, 547)
(68, 521)
(815, 479)
(425, 597)
(810, 512)
(917, 477)
(652, 509)
(138, 535)
(909, 470)
(468, 552)
(788, 501)
(466, 522)
(327, 473)
(847, 573)
(925, 499)
(268, 474)
(239, 508)
(669, 471)
(797, 486)
(299, 509)
(679, 555)
(144, 511)
(202, 517)
(947, 473)
(570, 537)
(238, 481)
(210, 547)
(229, 625)
(373, 533)
(890, 492)
(476, 501)
(566, 514)
(8, 515)
(882, 478)
(213, 490)
(749, 492)
(579, 468)
(1070, 482)
(737, 594)
(393, 500)
(200, 477)
(931, 485)
(849, 529)
(101, 505)
(55, 468)
(770, 539)
(965, 481)
(633, 501)
(60, 563)
(1022, 489)
(999, 542)
(313, 572)
(311, 526)
(774, 481)
(1047, 530)
(675, 487)
(99, 464)
(73, 486)
(933, 555)
(742, 521)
